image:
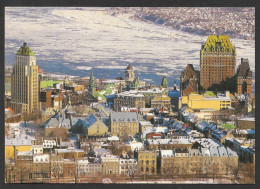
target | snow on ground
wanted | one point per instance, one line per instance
(90, 37)
(194, 181)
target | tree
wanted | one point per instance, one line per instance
(56, 167)
(21, 171)
(132, 171)
(115, 150)
(75, 173)
(60, 132)
(215, 171)
(9, 171)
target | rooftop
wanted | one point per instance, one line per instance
(25, 50)
(219, 43)
(124, 116)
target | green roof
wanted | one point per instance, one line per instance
(218, 42)
(103, 96)
(164, 82)
(210, 93)
(48, 83)
(25, 51)
(228, 126)
(108, 92)
(110, 85)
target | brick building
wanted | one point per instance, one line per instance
(189, 81)
(217, 60)
(244, 77)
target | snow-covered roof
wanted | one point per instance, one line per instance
(25, 153)
(124, 116)
(113, 138)
(167, 153)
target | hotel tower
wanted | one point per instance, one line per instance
(217, 60)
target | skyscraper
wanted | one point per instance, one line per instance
(217, 61)
(24, 88)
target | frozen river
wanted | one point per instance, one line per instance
(71, 41)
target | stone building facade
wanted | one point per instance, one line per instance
(147, 162)
(212, 161)
(129, 99)
(124, 123)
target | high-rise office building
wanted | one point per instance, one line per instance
(24, 88)
(217, 61)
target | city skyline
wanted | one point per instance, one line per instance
(105, 53)
(130, 95)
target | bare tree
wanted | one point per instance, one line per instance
(75, 173)
(56, 167)
(215, 171)
(21, 172)
(132, 171)
(60, 132)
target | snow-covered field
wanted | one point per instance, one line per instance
(71, 41)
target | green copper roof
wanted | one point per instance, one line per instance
(209, 93)
(164, 83)
(91, 80)
(136, 83)
(48, 83)
(25, 51)
(219, 43)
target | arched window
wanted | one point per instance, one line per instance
(147, 169)
(147, 162)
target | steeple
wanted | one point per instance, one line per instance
(120, 88)
(164, 83)
(136, 83)
(91, 84)
(174, 86)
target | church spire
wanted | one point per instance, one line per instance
(91, 82)
(164, 83)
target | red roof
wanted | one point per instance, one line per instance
(10, 109)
